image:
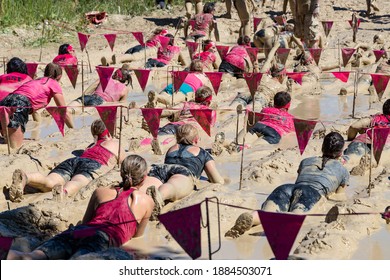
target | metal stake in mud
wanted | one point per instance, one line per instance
(355, 89)
(120, 136)
(4, 59)
(239, 112)
(371, 157)
(208, 226)
(41, 42)
(339, 52)
(89, 61)
(82, 86)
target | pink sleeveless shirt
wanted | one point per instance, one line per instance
(115, 218)
(193, 81)
(279, 119)
(377, 121)
(237, 56)
(202, 24)
(65, 59)
(98, 153)
(10, 82)
(165, 56)
(113, 91)
(207, 58)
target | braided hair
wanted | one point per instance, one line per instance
(133, 171)
(331, 147)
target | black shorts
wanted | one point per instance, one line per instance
(154, 63)
(20, 116)
(75, 166)
(165, 171)
(168, 129)
(269, 134)
(226, 67)
(91, 100)
(134, 49)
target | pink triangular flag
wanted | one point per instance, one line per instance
(178, 79)
(164, 41)
(84, 232)
(327, 25)
(5, 246)
(256, 22)
(282, 54)
(142, 76)
(72, 71)
(139, 36)
(105, 74)
(281, 230)
(59, 115)
(296, 76)
(316, 54)
(252, 52)
(31, 68)
(303, 131)
(192, 46)
(110, 40)
(342, 76)
(358, 23)
(204, 117)
(83, 39)
(378, 54)
(192, 23)
(184, 226)
(380, 83)
(253, 81)
(152, 118)
(346, 54)
(379, 141)
(108, 116)
(222, 50)
(215, 80)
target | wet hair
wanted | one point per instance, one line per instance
(208, 7)
(52, 70)
(123, 75)
(133, 171)
(331, 147)
(171, 39)
(186, 134)
(97, 127)
(281, 99)
(15, 64)
(203, 92)
(243, 40)
(386, 107)
(63, 49)
(196, 66)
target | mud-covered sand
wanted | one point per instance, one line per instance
(39, 216)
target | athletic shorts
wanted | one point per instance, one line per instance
(184, 88)
(165, 171)
(77, 166)
(268, 133)
(20, 116)
(69, 244)
(134, 49)
(154, 63)
(168, 129)
(226, 67)
(357, 148)
(91, 100)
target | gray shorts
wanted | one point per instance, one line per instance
(91, 100)
(75, 166)
(165, 171)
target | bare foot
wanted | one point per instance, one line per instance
(243, 223)
(19, 180)
(158, 202)
(156, 147)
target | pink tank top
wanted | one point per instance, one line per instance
(193, 81)
(165, 56)
(10, 82)
(202, 23)
(153, 42)
(207, 58)
(65, 59)
(98, 153)
(237, 56)
(115, 218)
(279, 119)
(113, 91)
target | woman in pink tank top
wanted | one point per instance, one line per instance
(68, 177)
(170, 54)
(114, 216)
(66, 56)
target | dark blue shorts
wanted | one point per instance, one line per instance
(134, 49)
(91, 100)
(269, 134)
(75, 166)
(226, 67)
(165, 171)
(20, 116)
(357, 148)
(168, 129)
(154, 63)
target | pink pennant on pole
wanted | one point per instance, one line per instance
(84, 232)
(253, 81)
(316, 54)
(252, 52)
(192, 23)
(105, 74)
(192, 47)
(342, 76)
(178, 79)
(215, 80)
(281, 231)
(204, 117)
(31, 68)
(139, 37)
(152, 118)
(378, 54)
(222, 50)
(142, 76)
(357, 25)
(380, 83)
(184, 226)
(347, 53)
(108, 116)
(303, 131)
(164, 41)
(72, 71)
(110, 40)
(297, 77)
(283, 54)
(5, 246)
(256, 22)
(379, 141)
(83, 39)
(59, 115)
(327, 25)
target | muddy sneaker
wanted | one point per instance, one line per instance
(152, 99)
(58, 192)
(113, 59)
(233, 148)
(134, 144)
(219, 138)
(158, 202)
(332, 214)
(103, 61)
(243, 224)
(363, 166)
(156, 147)
(19, 180)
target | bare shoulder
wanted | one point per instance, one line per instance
(104, 194)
